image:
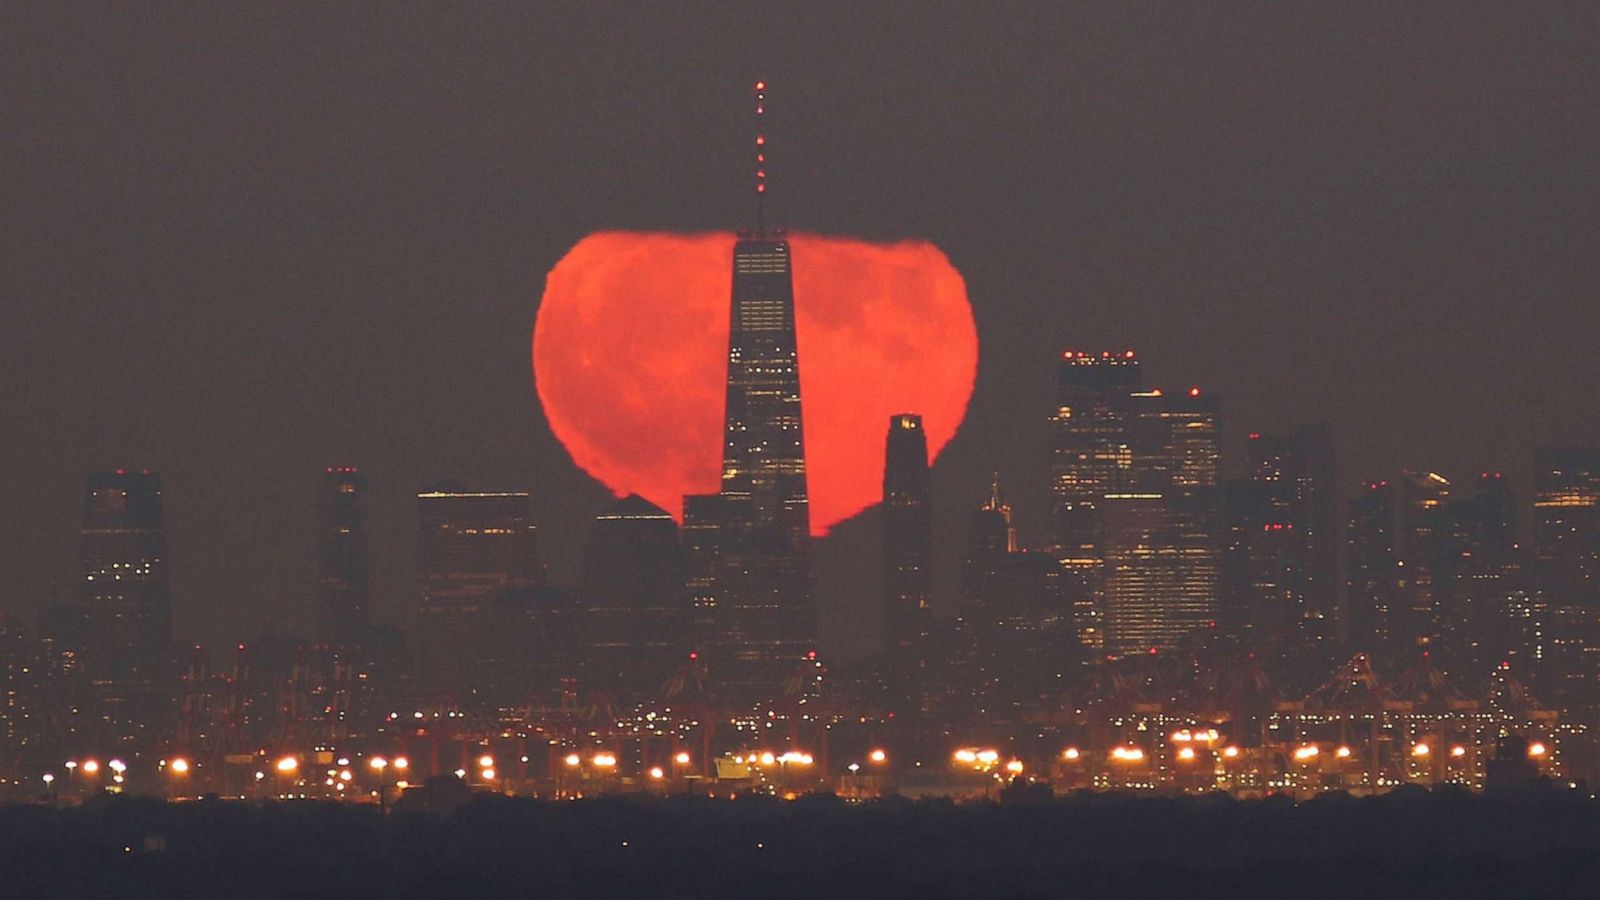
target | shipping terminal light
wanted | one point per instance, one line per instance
(179, 765)
(1458, 751)
(878, 756)
(288, 764)
(1014, 767)
(1070, 753)
(1186, 753)
(1421, 750)
(1230, 752)
(681, 759)
(1127, 754)
(1343, 752)
(485, 761)
(1536, 749)
(605, 760)
(573, 760)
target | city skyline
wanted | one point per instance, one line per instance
(421, 374)
(867, 449)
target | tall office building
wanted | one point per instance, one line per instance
(758, 527)
(1162, 532)
(125, 592)
(1138, 503)
(907, 538)
(1091, 446)
(1294, 539)
(1373, 580)
(1566, 523)
(1481, 572)
(763, 592)
(477, 566)
(1422, 545)
(342, 577)
(636, 617)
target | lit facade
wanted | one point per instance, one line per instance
(1566, 522)
(765, 623)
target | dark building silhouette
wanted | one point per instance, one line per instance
(125, 606)
(1422, 549)
(1373, 584)
(1018, 632)
(477, 568)
(1482, 569)
(633, 600)
(124, 561)
(907, 539)
(1566, 523)
(343, 582)
(1295, 546)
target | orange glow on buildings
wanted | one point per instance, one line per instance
(630, 359)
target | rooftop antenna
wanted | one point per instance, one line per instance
(761, 156)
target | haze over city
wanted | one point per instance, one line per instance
(914, 449)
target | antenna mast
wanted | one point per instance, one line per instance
(761, 156)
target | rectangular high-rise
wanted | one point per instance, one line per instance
(1372, 569)
(1293, 539)
(1137, 501)
(1566, 523)
(124, 589)
(1162, 534)
(476, 556)
(342, 574)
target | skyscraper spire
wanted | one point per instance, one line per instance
(761, 156)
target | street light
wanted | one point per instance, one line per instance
(573, 760)
(288, 764)
(682, 758)
(90, 767)
(179, 765)
(877, 756)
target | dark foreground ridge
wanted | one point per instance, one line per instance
(1410, 843)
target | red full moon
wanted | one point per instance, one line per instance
(630, 359)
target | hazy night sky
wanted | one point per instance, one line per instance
(242, 243)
